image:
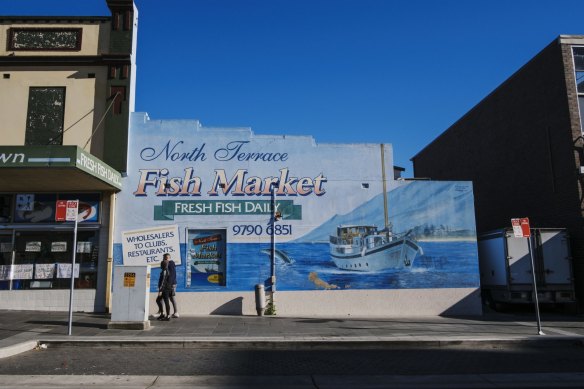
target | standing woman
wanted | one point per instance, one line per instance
(172, 277)
(164, 291)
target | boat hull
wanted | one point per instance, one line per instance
(399, 254)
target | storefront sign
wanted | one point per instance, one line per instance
(147, 246)
(97, 168)
(59, 156)
(171, 208)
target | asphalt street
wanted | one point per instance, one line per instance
(491, 351)
(289, 362)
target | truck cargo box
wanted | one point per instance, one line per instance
(505, 266)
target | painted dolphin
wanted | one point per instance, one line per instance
(279, 255)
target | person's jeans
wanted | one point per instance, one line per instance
(163, 296)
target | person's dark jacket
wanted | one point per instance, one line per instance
(171, 272)
(170, 276)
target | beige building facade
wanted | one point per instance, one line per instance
(66, 92)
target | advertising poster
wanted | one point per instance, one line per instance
(64, 270)
(5, 272)
(44, 271)
(5, 247)
(206, 257)
(147, 246)
(41, 208)
(22, 272)
(342, 221)
(84, 247)
(33, 247)
(58, 247)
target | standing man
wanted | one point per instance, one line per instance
(172, 280)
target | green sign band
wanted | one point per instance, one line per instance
(171, 208)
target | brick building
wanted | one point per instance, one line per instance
(523, 148)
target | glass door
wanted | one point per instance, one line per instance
(6, 258)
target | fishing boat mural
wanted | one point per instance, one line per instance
(364, 248)
(343, 222)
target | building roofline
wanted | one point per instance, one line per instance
(571, 39)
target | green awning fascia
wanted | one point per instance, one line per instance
(59, 157)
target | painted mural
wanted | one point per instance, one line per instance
(341, 222)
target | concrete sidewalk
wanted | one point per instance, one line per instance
(24, 330)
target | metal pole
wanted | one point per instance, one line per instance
(73, 274)
(12, 258)
(539, 331)
(384, 177)
(273, 250)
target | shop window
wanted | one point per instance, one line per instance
(42, 260)
(206, 257)
(5, 208)
(40, 207)
(45, 116)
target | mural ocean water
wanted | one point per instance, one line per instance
(443, 263)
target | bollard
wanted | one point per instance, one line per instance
(260, 299)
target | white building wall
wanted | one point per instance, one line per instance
(330, 303)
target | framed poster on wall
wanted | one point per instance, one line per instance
(206, 255)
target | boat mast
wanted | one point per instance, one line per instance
(384, 177)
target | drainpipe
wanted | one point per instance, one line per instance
(110, 253)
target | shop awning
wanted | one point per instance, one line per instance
(54, 169)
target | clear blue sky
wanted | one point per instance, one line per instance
(343, 71)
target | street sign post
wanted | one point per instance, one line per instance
(68, 210)
(61, 211)
(521, 229)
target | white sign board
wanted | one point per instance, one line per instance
(72, 210)
(521, 227)
(147, 246)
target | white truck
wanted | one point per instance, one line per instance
(505, 267)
